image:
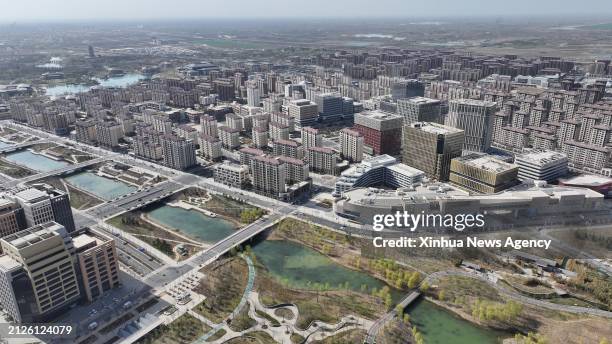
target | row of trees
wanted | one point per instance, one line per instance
(492, 311)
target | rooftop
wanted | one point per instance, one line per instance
(486, 162)
(435, 128)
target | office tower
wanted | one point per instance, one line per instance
(209, 126)
(225, 89)
(475, 118)
(407, 88)
(268, 176)
(254, 93)
(304, 111)
(382, 132)
(482, 173)
(329, 106)
(351, 143)
(260, 137)
(44, 203)
(279, 131)
(288, 148)
(15, 288)
(210, 147)
(420, 109)
(12, 217)
(178, 152)
(311, 137)
(430, 147)
(322, 160)
(541, 165)
(230, 138)
(233, 175)
(247, 153)
(108, 134)
(85, 131)
(44, 252)
(98, 264)
(297, 169)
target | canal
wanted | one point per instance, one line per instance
(103, 187)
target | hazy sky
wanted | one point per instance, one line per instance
(55, 10)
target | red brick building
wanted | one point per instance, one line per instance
(382, 132)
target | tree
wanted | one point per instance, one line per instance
(424, 287)
(414, 280)
(441, 295)
(406, 318)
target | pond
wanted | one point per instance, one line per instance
(302, 267)
(35, 162)
(193, 223)
(440, 326)
(105, 188)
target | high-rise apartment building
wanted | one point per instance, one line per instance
(351, 145)
(230, 138)
(179, 153)
(279, 131)
(260, 137)
(288, 148)
(210, 147)
(430, 147)
(86, 131)
(209, 126)
(269, 176)
(322, 160)
(254, 93)
(475, 118)
(108, 134)
(311, 137)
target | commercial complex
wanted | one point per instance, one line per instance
(376, 171)
(541, 165)
(482, 173)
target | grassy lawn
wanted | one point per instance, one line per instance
(217, 335)
(223, 287)
(13, 170)
(242, 321)
(185, 329)
(257, 337)
(347, 337)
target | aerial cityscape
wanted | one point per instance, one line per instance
(327, 172)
